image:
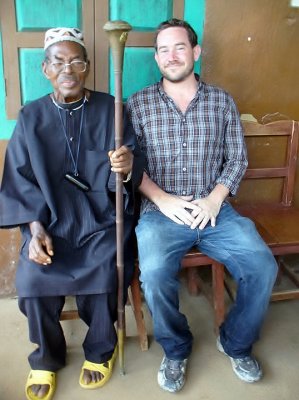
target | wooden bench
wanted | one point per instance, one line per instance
(266, 193)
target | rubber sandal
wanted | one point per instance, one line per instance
(104, 368)
(40, 377)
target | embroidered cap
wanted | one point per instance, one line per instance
(55, 35)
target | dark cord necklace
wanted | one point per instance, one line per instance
(73, 177)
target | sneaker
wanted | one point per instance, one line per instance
(246, 368)
(171, 375)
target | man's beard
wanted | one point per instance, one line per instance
(178, 78)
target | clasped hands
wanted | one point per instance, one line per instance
(185, 210)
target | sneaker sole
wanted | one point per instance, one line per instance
(167, 389)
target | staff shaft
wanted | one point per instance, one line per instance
(117, 32)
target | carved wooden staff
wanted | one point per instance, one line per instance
(117, 33)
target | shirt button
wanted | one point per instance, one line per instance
(71, 139)
(184, 144)
(184, 192)
(184, 169)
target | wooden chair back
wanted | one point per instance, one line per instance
(279, 129)
(267, 192)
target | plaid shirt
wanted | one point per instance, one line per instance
(189, 153)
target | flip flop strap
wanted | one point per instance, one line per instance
(97, 367)
(40, 377)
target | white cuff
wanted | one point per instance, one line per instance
(129, 176)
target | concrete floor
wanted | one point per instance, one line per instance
(209, 374)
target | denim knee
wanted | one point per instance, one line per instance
(263, 270)
(271, 268)
(158, 283)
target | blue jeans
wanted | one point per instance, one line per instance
(234, 242)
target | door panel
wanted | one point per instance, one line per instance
(36, 15)
(140, 67)
(140, 70)
(145, 16)
(30, 66)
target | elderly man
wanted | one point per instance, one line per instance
(59, 187)
(193, 139)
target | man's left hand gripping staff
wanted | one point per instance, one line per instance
(121, 160)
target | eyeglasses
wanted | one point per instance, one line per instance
(76, 66)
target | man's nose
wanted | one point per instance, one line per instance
(172, 56)
(68, 68)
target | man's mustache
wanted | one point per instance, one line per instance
(67, 78)
(173, 64)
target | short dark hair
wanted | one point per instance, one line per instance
(174, 23)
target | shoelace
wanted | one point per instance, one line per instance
(247, 360)
(173, 368)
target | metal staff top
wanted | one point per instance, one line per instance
(117, 32)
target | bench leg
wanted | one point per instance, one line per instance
(134, 294)
(194, 283)
(218, 293)
(69, 315)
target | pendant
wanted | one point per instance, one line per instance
(75, 180)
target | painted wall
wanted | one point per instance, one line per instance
(251, 49)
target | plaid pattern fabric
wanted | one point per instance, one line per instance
(189, 153)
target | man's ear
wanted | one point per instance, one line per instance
(44, 69)
(196, 52)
